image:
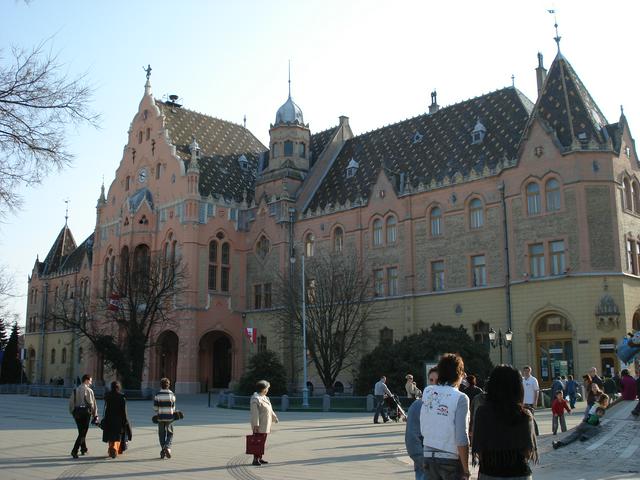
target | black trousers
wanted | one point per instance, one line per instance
(82, 422)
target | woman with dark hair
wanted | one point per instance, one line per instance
(116, 421)
(504, 439)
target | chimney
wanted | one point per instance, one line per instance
(434, 107)
(541, 74)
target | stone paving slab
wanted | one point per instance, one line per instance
(37, 435)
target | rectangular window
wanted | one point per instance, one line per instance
(536, 260)
(378, 283)
(262, 344)
(479, 271)
(213, 274)
(267, 295)
(437, 276)
(257, 297)
(288, 148)
(224, 281)
(558, 266)
(392, 281)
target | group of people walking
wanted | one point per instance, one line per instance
(446, 424)
(115, 424)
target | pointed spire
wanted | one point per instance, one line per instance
(289, 78)
(557, 38)
(147, 85)
(513, 81)
(66, 211)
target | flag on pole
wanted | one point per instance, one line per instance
(114, 303)
(250, 332)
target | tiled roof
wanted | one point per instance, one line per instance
(221, 144)
(430, 147)
(75, 258)
(61, 248)
(319, 142)
(568, 109)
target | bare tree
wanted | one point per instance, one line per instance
(338, 307)
(7, 291)
(137, 303)
(38, 101)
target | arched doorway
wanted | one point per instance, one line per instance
(215, 360)
(554, 347)
(167, 356)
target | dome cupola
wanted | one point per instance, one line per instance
(289, 113)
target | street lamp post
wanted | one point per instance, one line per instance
(498, 340)
(305, 389)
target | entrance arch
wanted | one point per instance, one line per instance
(215, 360)
(167, 356)
(554, 347)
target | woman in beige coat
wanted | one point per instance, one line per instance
(262, 415)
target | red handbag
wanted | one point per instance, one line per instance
(255, 444)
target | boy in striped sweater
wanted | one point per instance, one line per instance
(164, 404)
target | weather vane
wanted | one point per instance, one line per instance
(148, 70)
(555, 24)
(66, 210)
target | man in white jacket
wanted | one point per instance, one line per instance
(444, 423)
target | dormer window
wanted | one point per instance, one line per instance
(417, 138)
(243, 162)
(478, 134)
(352, 167)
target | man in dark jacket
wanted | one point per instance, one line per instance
(413, 439)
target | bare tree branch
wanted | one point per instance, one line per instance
(338, 309)
(38, 101)
(140, 302)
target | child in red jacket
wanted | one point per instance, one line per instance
(558, 406)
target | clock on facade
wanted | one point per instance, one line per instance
(142, 175)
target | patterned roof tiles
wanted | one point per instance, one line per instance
(221, 144)
(429, 147)
(568, 109)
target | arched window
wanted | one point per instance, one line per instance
(309, 247)
(635, 194)
(377, 232)
(338, 240)
(435, 222)
(386, 335)
(225, 268)
(112, 272)
(124, 269)
(533, 198)
(63, 356)
(53, 355)
(263, 247)
(213, 265)
(552, 188)
(392, 231)
(66, 291)
(476, 215)
(628, 202)
(141, 266)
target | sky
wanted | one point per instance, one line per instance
(373, 61)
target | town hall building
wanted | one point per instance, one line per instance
(497, 212)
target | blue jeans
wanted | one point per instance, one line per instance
(380, 409)
(442, 469)
(418, 468)
(165, 434)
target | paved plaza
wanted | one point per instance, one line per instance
(37, 435)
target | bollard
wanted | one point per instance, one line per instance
(326, 403)
(284, 404)
(369, 403)
(231, 401)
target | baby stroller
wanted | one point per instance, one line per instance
(396, 413)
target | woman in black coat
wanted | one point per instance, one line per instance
(115, 422)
